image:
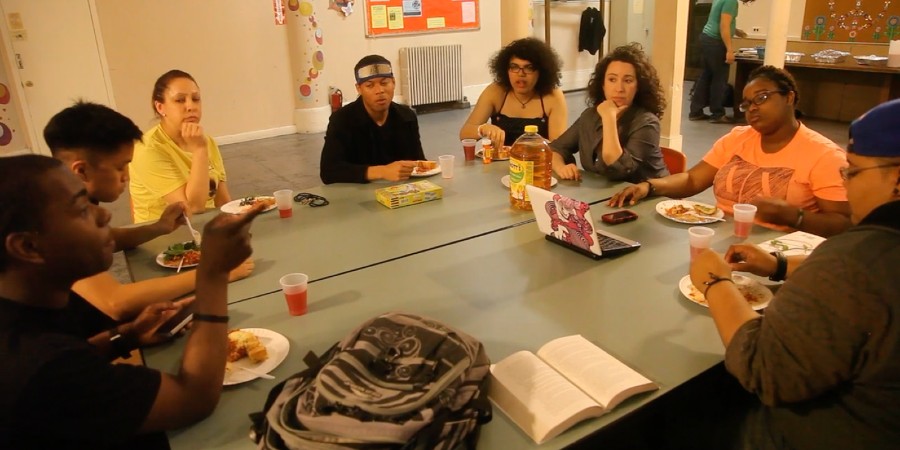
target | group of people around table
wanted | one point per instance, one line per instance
(824, 360)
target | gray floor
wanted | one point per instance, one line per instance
(292, 161)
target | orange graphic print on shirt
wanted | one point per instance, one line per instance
(740, 182)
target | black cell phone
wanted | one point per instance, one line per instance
(177, 322)
(619, 217)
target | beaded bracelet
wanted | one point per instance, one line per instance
(210, 318)
(800, 214)
(713, 279)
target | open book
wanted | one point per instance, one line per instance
(569, 380)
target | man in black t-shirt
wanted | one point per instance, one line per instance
(57, 390)
(372, 138)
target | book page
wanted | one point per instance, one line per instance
(606, 379)
(537, 398)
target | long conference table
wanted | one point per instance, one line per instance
(500, 281)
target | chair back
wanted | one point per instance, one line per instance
(675, 161)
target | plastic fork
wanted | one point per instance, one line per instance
(254, 372)
(194, 233)
(702, 216)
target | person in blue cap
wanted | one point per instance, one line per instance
(372, 138)
(825, 358)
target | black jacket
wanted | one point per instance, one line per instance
(592, 30)
(353, 142)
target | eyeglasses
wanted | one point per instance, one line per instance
(305, 198)
(850, 172)
(524, 70)
(758, 99)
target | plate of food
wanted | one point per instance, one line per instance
(505, 181)
(497, 155)
(253, 351)
(184, 254)
(686, 211)
(757, 295)
(426, 169)
(242, 205)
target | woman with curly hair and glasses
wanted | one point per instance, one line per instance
(618, 134)
(525, 91)
(790, 172)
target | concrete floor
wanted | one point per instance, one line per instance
(266, 165)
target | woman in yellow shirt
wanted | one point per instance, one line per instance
(176, 162)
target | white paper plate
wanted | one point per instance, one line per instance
(505, 181)
(665, 205)
(756, 294)
(277, 347)
(234, 206)
(429, 173)
(161, 260)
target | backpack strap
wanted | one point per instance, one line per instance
(314, 365)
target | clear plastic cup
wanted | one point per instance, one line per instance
(469, 148)
(743, 219)
(294, 286)
(284, 199)
(700, 238)
(446, 162)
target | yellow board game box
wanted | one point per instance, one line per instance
(408, 194)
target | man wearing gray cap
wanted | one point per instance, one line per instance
(825, 358)
(372, 138)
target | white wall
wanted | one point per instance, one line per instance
(240, 57)
(754, 18)
(565, 22)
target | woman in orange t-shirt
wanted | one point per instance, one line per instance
(790, 172)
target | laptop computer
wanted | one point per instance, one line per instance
(568, 222)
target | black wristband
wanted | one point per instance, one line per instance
(780, 267)
(210, 318)
(713, 279)
(120, 345)
(650, 189)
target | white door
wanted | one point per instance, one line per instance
(56, 52)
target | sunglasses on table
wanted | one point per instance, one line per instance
(758, 99)
(313, 200)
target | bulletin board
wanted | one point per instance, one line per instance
(852, 21)
(392, 17)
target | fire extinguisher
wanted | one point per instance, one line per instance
(337, 99)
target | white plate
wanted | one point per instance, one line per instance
(662, 206)
(429, 173)
(505, 181)
(480, 155)
(161, 260)
(277, 347)
(751, 288)
(234, 206)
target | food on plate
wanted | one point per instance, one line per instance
(750, 292)
(705, 209)
(250, 202)
(244, 344)
(189, 252)
(691, 212)
(425, 166)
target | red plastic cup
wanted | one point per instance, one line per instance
(294, 286)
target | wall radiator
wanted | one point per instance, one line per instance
(431, 74)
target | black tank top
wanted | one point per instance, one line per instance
(515, 126)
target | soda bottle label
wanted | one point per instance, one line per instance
(521, 174)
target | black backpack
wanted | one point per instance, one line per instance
(399, 381)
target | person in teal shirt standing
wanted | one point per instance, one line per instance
(716, 52)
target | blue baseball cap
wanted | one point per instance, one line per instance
(877, 132)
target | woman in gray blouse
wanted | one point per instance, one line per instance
(618, 135)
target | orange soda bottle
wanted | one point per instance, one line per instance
(529, 163)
